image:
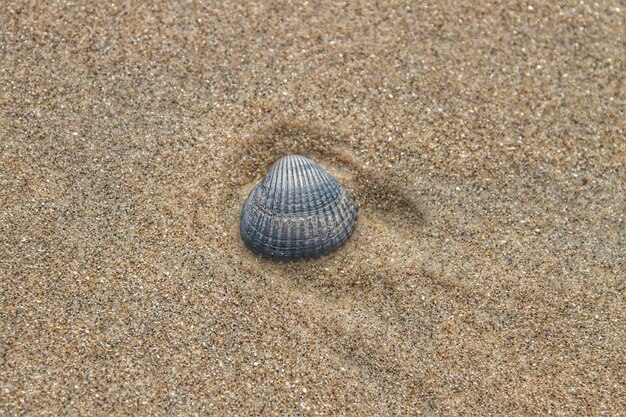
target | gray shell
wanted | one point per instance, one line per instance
(297, 211)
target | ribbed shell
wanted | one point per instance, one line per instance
(297, 211)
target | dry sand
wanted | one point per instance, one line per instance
(484, 142)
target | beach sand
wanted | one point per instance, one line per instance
(483, 142)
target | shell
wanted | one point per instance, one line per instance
(298, 211)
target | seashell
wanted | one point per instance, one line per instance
(298, 211)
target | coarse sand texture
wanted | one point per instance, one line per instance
(483, 142)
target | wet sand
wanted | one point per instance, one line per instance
(484, 143)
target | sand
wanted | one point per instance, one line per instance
(484, 143)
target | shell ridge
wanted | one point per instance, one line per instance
(293, 218)
(321, 180)
(306, 225)
(285, 193)
(319, 242)
(300, 238)
(252, 218)
(327, 184)
(282, 235)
